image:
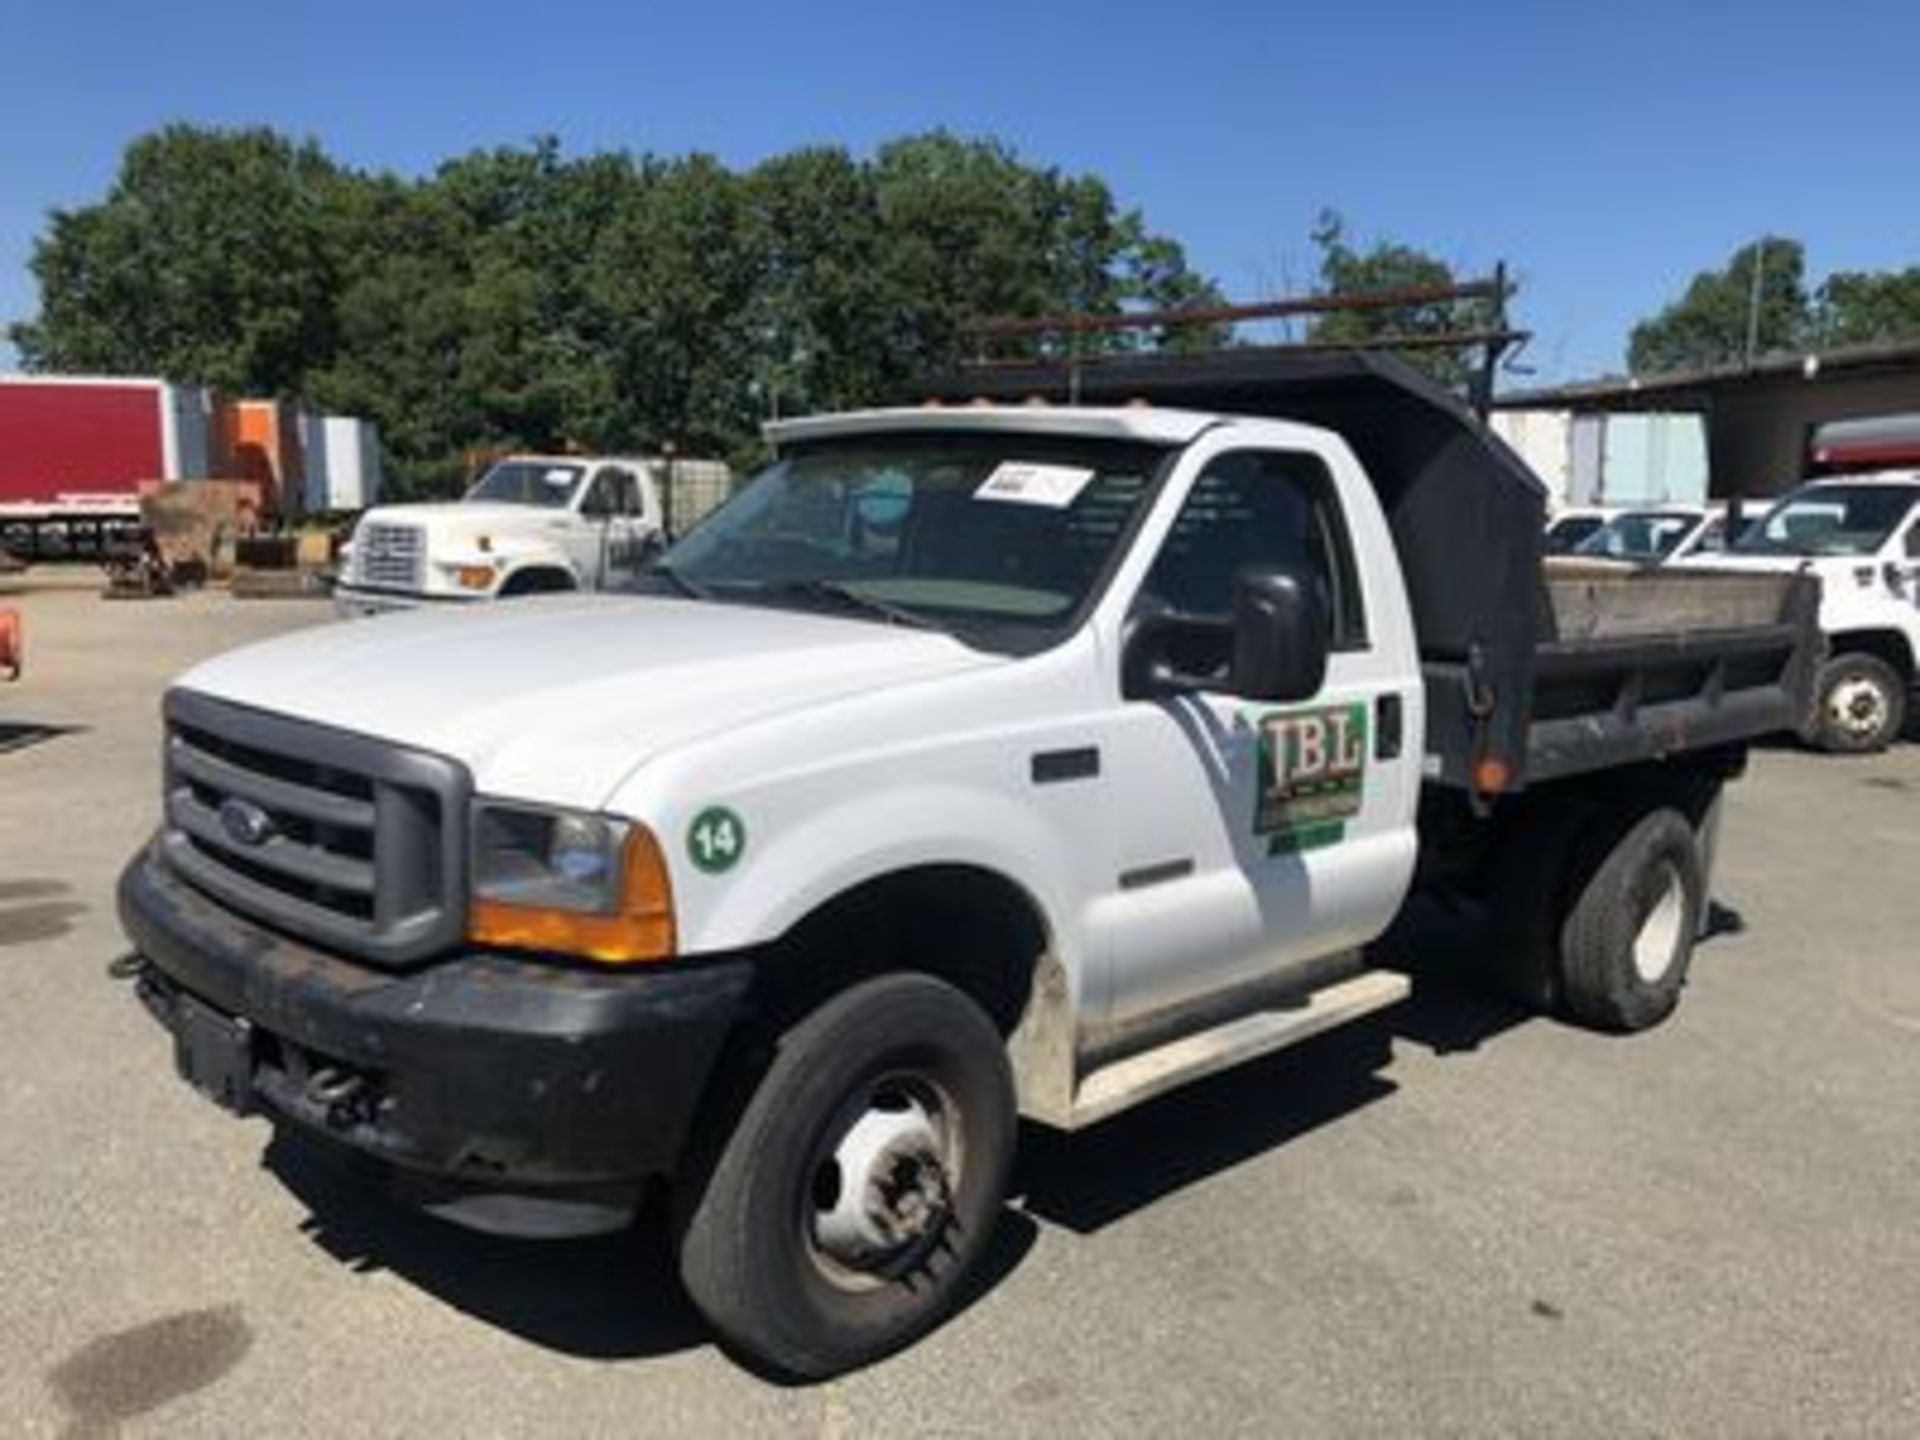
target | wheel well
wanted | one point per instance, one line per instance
(1888, 645)
(971, 927)
(538, 580)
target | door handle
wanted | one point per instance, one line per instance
(1389, 728)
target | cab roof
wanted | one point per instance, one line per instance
(1147, 423)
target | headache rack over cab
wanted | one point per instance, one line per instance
(1533, 672)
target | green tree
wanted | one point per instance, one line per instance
(207, 261)
(1350, 272)
(1859, 306)
(517, 297)
(1717, 320)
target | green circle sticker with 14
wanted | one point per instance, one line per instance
(716, 839)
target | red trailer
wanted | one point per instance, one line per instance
(1878, 442)
(74, 451)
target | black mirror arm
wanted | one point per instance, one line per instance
(1151, 675)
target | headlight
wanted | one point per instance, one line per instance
(569, 882)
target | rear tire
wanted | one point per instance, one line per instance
(1860, 705)
(1628, 935)
(856, 1195)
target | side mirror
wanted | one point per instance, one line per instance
(1273, 647)
(1281, 635)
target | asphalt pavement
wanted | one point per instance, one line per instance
(1452, 1219)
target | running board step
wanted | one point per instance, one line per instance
(1113, 1088)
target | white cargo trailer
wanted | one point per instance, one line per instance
(342, 463)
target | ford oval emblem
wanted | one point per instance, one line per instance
(245, 822)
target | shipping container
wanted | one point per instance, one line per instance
(259, 440)
(342, 464)
(1541, 438)
(1593, 458)
(92, 440)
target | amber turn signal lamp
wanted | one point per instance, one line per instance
(1491, 775)
(640, 930)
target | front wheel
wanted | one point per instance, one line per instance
(1861, 705)
(858, 1190)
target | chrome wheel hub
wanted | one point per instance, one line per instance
(1658, 940)
(881, 1198)
(1858, 706)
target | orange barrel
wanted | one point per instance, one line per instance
(13, 643)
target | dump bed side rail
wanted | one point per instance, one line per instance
(1602, 703)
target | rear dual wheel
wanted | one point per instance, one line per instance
(854, 1198)
(1596, 912)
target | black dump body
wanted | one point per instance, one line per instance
(1533, 672)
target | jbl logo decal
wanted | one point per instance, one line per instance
(1312, 774)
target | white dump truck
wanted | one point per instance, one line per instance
(1859, 535)
(532, 524)
(972, 763)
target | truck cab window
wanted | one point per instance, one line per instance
(1252, 510)
(606, 496)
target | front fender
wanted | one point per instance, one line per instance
(827, 851)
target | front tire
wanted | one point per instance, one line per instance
(1861, 705)
(856, 1195)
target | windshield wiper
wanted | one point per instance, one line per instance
(851, 599)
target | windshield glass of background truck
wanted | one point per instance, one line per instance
(1000, 538)
(1566, 533)
(528, 482)
(1642, 535)
(1830, 520)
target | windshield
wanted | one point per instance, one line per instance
(529, 482)
(1001, 539)
(1566, 533)
(1829, 520)
(1639, 535)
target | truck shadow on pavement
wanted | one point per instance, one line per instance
(619, 1297)
(606, 1297)
(1087, 1181)
(610, 1297)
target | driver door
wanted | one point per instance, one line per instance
(593, 539)
(1257, 839)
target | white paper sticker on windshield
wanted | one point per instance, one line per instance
(1024, 483)
(558, 476)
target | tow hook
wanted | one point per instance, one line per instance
(344, 1094)
(130, 966)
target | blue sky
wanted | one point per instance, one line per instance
(1606, 150)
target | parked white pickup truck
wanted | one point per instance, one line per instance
(973, 762)
(532, 524)
(1860, 535)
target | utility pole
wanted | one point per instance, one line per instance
(1753, 300)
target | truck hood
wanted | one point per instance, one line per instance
(557, 699)
(460, 518)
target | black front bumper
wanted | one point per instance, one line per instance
(484, 1072)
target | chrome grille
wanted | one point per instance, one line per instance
(390, 556)
(333, 837)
